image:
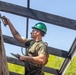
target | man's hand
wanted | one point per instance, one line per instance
(23, 58)
(16, 55)
(5, 20)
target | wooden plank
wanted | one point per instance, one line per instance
(3, 59)
(0, 52)
(53, 51)
(38, 15)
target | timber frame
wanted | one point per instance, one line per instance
(45, 17)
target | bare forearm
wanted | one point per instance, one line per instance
(15, 33)
(13, 30)
(6, 21)
(36, 60)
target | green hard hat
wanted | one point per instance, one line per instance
(40, 26)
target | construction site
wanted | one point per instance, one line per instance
(30, 13)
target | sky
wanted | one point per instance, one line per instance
(56, 37)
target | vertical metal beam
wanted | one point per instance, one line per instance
(27, 19)
(27, 25)
(27, 22)
(67, 61)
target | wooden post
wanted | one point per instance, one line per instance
(3, 59)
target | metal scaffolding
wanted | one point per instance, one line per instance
(42, 16)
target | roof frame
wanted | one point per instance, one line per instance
(66, 62)
(46, 17)
(53, 51)
(38, 15)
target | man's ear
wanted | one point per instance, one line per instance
(38, 33)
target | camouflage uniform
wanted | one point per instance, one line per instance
(35, 49)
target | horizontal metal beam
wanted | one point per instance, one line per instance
(66, 62)
(58, 52)
(38, 15)
(11, 40)
(53, 51)
(46, 69)
(51, 70)
(12, 73)
(14, 61)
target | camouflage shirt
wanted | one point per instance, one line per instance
(36, 48)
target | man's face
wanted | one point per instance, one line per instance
(35, 33)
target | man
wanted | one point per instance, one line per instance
(37, 50)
